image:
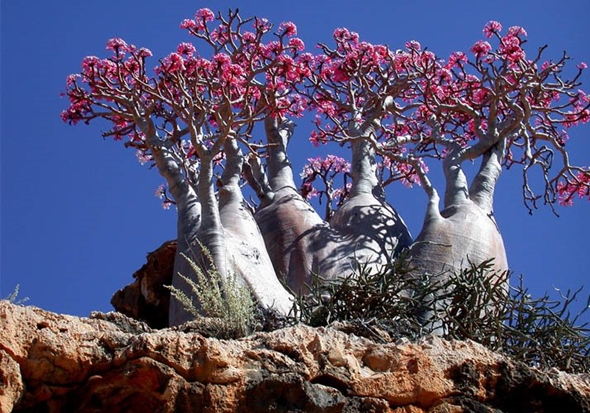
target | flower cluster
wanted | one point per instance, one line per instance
(569, 189)
(325, 170)
(162, 194)
(408, 101)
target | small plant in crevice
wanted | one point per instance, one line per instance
(227, 303)
(475, 303)
(13, 298)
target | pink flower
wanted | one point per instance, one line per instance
(71, 79)
(340, 193)
(444, 74)
(342, 34)
(131, 66)
(308, 191)
(220, 34)
(89, 63)
(298, 105)
(271, 49)
(174, 62)
(297, 44)
(248, 37)
(143, 157)
(288, 29)
(413, 45)
(160, 191)
(580, 186)
(118, 46)
(337, 163)
(232, 73)
(491, 27)
(582, 66)
(186, 49)
(315, 138)
(188, 24)
(481, 48)
(262, 25)
(510, 47)
(456, 59)
(205, 14)
(221, 59)
(517, 31)
(143, 52)
(325, 106)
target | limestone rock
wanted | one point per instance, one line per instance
(146, 298)
(109, 363)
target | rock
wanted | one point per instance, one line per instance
(147, 299)
(109, 363)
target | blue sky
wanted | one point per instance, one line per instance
(78, 214)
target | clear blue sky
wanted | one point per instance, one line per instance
(78, 213)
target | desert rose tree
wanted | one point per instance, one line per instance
(191, 116)
(505, 108)
(494, 104)
(194, 117)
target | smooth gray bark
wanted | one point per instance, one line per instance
(300, 243)
(367, 221)
(189, 213)
(247, 253)
(465, 230)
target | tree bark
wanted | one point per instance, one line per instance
(301, 243)
(298, 240)
(247, 253)
(370, 225)
(189, 214)
(465, 230)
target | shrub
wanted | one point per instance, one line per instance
(223, 299)
(477, 306)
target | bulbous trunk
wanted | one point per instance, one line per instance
(247, 253)
(460, 234)
(189, 214)
(372, 228)
(299, 242)
(465, 231)
(188, 223)
(193, 238)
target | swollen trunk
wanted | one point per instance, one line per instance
(465, 231)
(246, 250)
(374, 232)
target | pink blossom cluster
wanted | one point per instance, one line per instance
(323, 165)
(510, 45)
(324, 169)
(409, 103)
(198, 24)
(162, 194)
(569, 189)
(243, 71)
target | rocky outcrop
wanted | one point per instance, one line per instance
(147, 299)
(110, 363)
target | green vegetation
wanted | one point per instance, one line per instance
(476, 305)
(225, 300)
(385, 305)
